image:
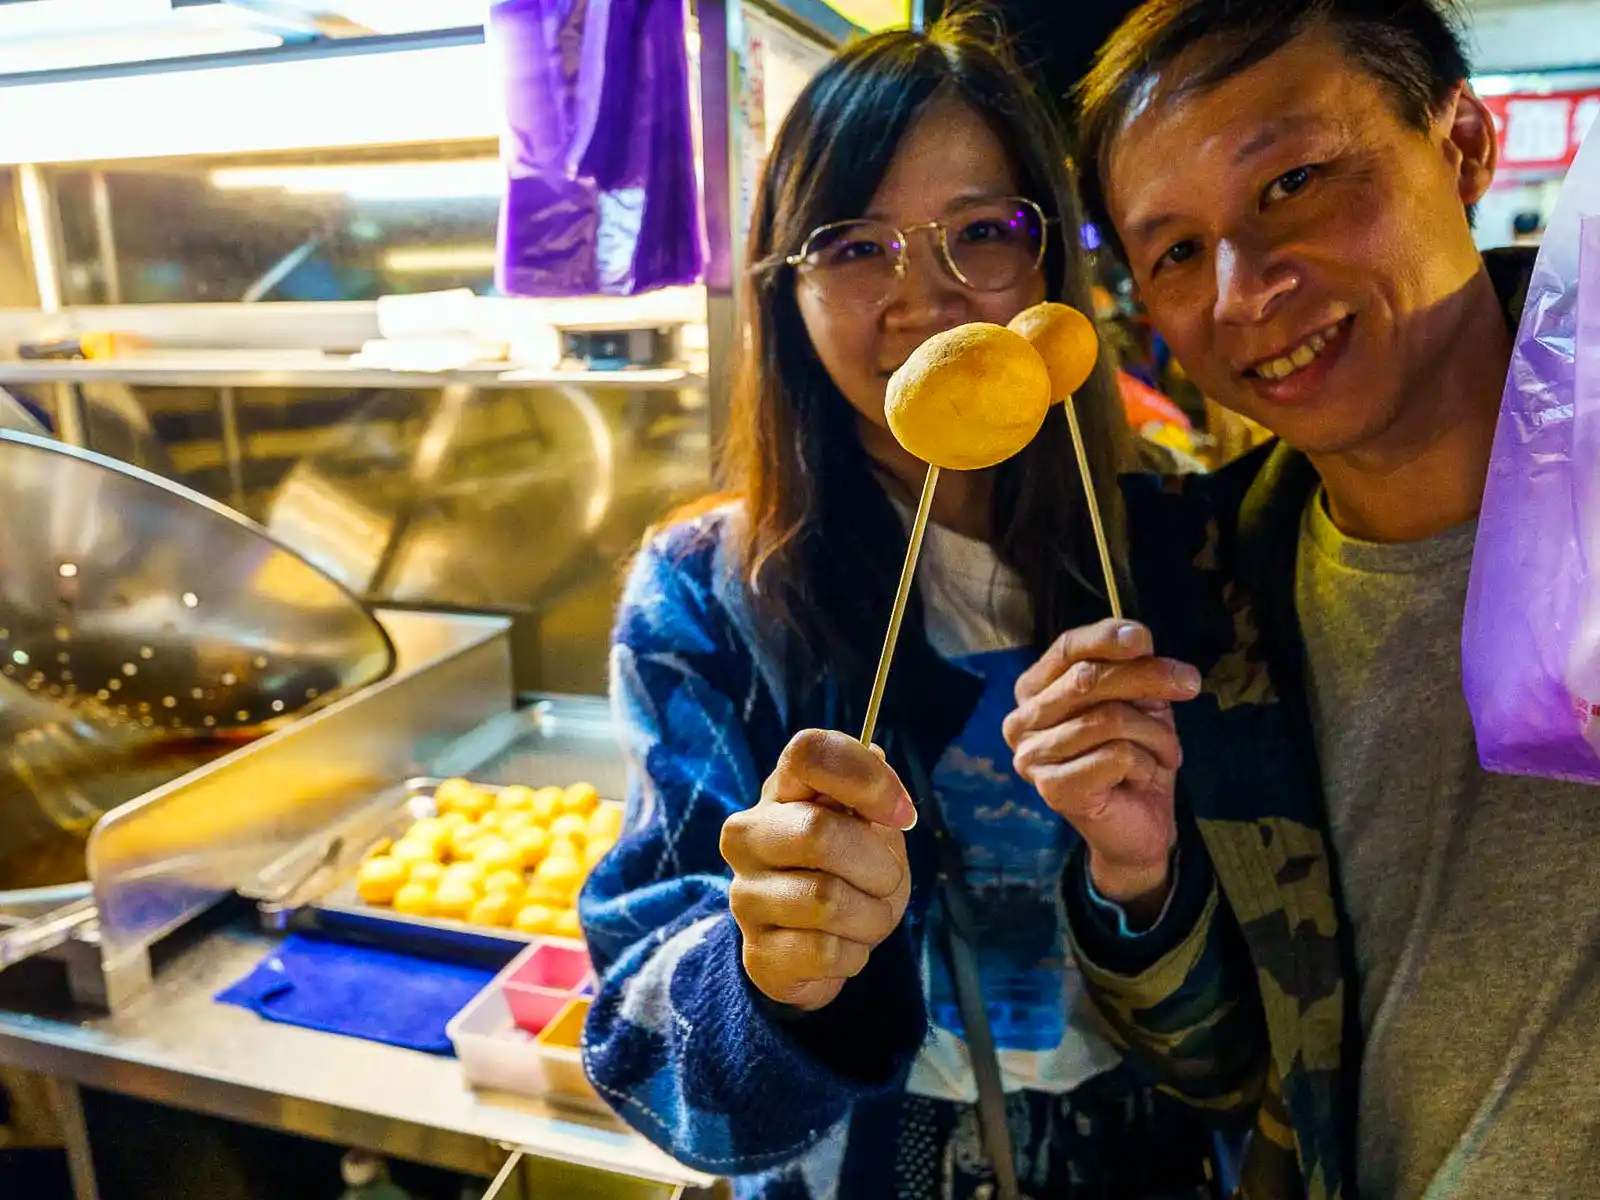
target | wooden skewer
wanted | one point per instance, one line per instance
(919, 527)
(1094, 508)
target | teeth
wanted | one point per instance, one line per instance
(1300, 357)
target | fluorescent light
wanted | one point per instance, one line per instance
(373, 181)
(92, 33)
(23, 58)
(69, 16)
(423, 260)
(300, 104)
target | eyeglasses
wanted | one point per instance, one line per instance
(987, 245)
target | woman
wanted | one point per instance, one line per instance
(783, 980)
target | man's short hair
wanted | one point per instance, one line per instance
(1413, 47)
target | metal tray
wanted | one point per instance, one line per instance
(340, 911)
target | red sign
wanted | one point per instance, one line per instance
(1542, 133)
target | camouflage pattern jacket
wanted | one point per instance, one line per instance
(1242, 999)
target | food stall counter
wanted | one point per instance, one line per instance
(177, 1046)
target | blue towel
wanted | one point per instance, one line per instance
(359, 992)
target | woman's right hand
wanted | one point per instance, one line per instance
(820, 875)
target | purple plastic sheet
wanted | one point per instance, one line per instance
(1531, 638)
(602, 196)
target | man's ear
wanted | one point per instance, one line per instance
(1474, 142)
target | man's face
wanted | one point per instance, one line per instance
(1301, 247)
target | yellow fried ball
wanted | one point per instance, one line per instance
(462, 839)
(565, 847)
(497, 908)
(458, 795)
(969, 398)
(379, 879)
(580, 798)
(535, 918)
(606, 822)
(1065, 339)
(561, 876)
(567, 925)
(513, 823)
(411, 853)
(595, 851)
(454, 899)
(510, 883)
(532, 844)
(427, 873)
(430, 830)
(495, 854)
(415, 900)
(470, 874)
(571, 826)
(515, 798)
(453, 820)
(547, 804)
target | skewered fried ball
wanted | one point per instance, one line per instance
(969, 398)
(1065, 339)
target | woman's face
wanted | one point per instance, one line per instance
(949, 158)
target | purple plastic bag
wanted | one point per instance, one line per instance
(1531, 637)
(602, 195)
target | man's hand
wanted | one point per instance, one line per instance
(1093, 732)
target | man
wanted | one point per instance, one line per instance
(1342, 928)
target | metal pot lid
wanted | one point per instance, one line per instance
(150, 611)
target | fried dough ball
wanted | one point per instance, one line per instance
(1065, 339)
(969, 398)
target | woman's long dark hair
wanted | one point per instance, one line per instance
(819, 540)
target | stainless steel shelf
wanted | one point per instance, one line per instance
(331, 373)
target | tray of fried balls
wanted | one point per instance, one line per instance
(484, 862)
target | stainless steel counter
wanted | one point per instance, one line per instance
(176, 1046)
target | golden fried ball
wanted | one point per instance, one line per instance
(561, 876)
(532, 844)
(427, 873)
(605, 822)
(496, 854)
(547, 804)
(969, 398)
(454, 899)
(535, 918)
(510, 883)
(497, 908)
(1065, 339)
(580, 798)
(380, 879)
(415, 900)
(430, 830)
(571, 826)
(514, 798)
(463, 796)
(566, 924)
(411, 852)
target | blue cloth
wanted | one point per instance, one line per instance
(359, 992)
